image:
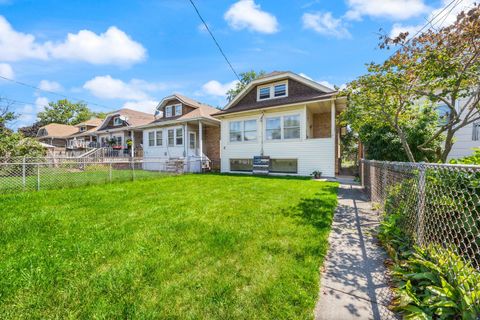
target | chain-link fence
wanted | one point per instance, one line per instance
(27, 174)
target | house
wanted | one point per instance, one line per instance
(285, 118)
(55, 134)
(86, 136)
(119, 132)
(184, 129)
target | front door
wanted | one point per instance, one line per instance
(192, 142)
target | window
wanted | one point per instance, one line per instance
(264, 93)
(168, 111)
(286, 127)
(151, 139)
(271, 91)
(291, 127)
(179, 136)
(42, 132)
(243, 130)
(476, 131)
(443, 112)
(280, 90)
(236, 131)
(274, 129)
(119, 140)
(283, 165)
(82, 128)
(178, 110)
(159, 138)
(117, 121)
(171, 138)
(241, 164)
(250, 130)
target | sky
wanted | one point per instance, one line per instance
(115, 54)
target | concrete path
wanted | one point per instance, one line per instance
(353, 282)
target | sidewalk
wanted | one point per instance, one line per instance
(353, 282)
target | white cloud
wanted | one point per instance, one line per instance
(439, 17)
(50, 85)
(325, 24)
(393, 9)
(327, 84)
(215, 88)
(6, 71)
(28, 113)
(106, 87)
(112, 47)
(143, 105)
(246, 14)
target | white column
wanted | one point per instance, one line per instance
(333, 119)
(132, 133)
(185, 138)
(200, 139)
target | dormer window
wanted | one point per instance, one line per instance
(83, 128)
(168, 111)
(117, 121)
(42, 132)
(272, 91)
(178, 110)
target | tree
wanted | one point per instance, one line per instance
(438, 66)
(444, 67)
(245, 79)
(65, 112)
(30, 131)
(14, 144)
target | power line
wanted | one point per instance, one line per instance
(215, 40)
(53, 92)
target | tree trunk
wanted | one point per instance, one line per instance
(405, 145)
(448, 145)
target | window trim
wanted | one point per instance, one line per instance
(282, 127)
(242, 131)
(176, 108)
(151, 142)
(271, 87)
(156, 138)
(172, 130)
(181, 136)
(115, 121)
(169, 114)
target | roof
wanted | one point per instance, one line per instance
(91, 122)
(57, 130)
(319, 92)
(135, 118)
(184, 99)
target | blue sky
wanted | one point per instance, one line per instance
(132, 53)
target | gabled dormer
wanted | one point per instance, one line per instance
(176, 106)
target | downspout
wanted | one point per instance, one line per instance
(261, 134)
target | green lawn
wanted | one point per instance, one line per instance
(180, 247)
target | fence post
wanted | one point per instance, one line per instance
(23, 174)
(420, 204)
(38, 176)
(110, 171)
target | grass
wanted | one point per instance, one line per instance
(179, 247)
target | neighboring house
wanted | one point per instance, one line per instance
(55, 134)
(286, 117)
(86, 135)
(119, 132)
(466, 139)
(183, 130)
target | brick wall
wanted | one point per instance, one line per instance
(212, 142)
(321, 125)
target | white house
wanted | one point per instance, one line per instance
(184, 130)
(286, 117)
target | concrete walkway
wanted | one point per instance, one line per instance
(353, 282)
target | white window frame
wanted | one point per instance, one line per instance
(282, 129)
(169, 111)
(271, 87)
(151, 138)
(156, 138)
(177, 107)
(179, 136)
(172, 130)
(190, 140)
(242, 131)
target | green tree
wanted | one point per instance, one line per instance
(65, 112)
(245, 79)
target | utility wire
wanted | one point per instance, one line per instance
(52, 92)
(215, 40)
